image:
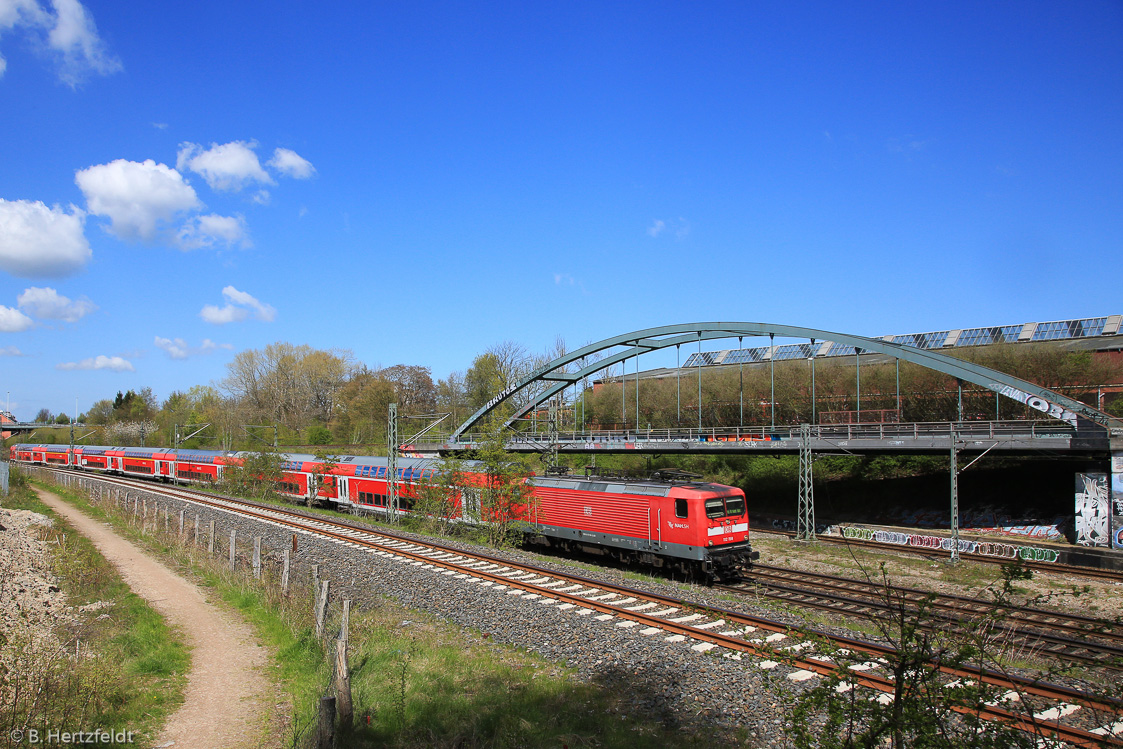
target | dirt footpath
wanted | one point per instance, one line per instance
(228, 695)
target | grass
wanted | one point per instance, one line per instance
(119, 667)
(418, 681)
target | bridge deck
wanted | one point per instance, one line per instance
(1009, 437)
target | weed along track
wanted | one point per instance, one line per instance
(1064, 636)
(936, 552)
(676, 654)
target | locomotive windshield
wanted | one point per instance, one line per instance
(725, 507)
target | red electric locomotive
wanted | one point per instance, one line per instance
(674, 521)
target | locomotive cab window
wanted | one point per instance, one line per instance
(724, 507)
(735, 506)
(681, 508)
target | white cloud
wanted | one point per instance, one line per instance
(291, 164)
(13, 321)
(238, 307)
(70, 34)
(222, 315)
(136, 196)
(75, 38)
(205, 231)
(561, 279)
(229, 166)
(115, 363)
(680, 227)
(37, 241)
(10, 351)
(178, 348)
(48, 304)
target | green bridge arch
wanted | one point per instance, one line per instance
(651, 339)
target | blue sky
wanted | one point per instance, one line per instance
(418, 181)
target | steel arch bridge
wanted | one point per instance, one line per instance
(639, 342)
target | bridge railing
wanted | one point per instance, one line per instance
(997, 430)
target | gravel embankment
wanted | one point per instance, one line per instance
(31, 604)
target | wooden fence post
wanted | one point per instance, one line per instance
(182, 513)
(210, 536)
(346, 623)
(285, 575)
(257, 557)
(233, 541)
(326, 732)
(342, 684)
(321, 609)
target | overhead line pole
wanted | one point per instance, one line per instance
(392, 462)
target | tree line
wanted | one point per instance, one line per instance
(311, 396)
(319, 397)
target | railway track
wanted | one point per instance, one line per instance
(1046, 710)
(1052, 568)
(1065, 637)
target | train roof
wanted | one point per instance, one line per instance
(624, 486)
(210, 455)
(352, 460)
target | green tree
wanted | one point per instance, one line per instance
(361, 408)
(505, 496)
(322, 475)
(100, 412)
(257, 476)
(437, 500)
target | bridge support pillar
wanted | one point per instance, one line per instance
(805, 519)
(954, 559)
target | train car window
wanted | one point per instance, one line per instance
(715, 507)
(681, 508)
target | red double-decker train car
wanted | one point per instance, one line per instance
(673, 521)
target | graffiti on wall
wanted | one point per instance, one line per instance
(1117, 501)
(1092, 510)
(985, 519)
(986, 548)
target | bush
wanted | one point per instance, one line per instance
(319, 436)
